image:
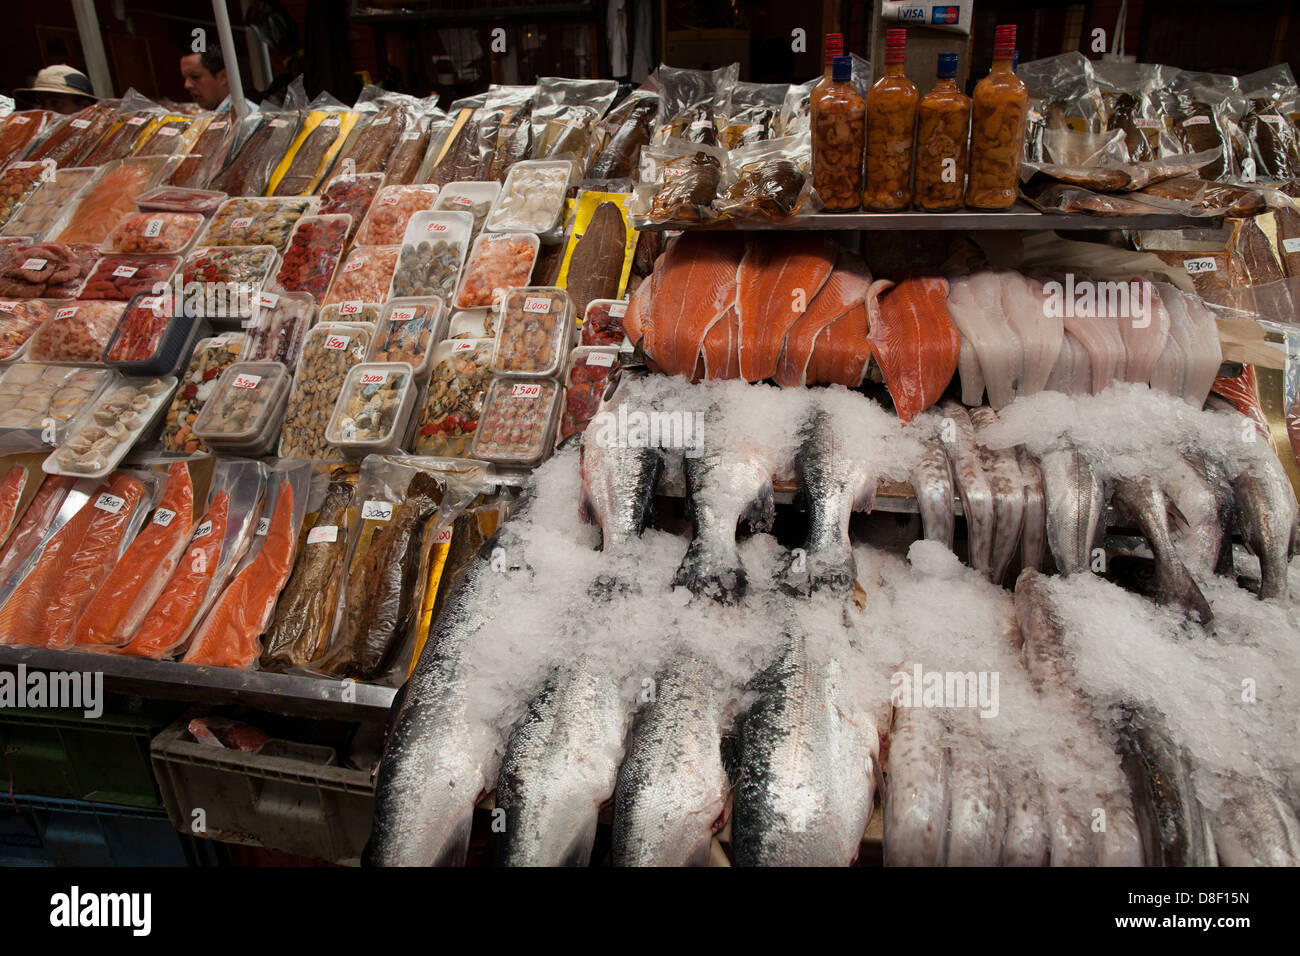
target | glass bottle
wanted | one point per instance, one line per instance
(942, 130)
(997, 132)
(838, 136)
(891, 129)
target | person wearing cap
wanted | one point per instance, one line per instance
(61, 88)
(205, 79)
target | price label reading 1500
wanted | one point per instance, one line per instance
(525, 390)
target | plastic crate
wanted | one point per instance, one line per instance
(62, 753)
(48, 831)
(288, 796)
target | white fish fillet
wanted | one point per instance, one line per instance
(1040, 333)
(1193, 325)
(1099, 335)
(1167, 376)
(1072, 374)
(973, 486)
(1144, 340)
(977, 312)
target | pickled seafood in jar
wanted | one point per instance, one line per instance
(942, 129)
(839, 134)
(997, 131)
(891, 128)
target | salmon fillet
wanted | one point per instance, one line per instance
(40, 512)
(11, 492)
(915, 344)
(718, 350)
(168, 621)
(695, 283)
(229, 635)
(846, 287)
(98, 551)
(117, 610)
(842, 351)
(777, 281)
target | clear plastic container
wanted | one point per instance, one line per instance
(243, 415)
(373, 410)
(458, 381)
(19, 320)
(17, 184)
(313, 254)
(366, 275)
(473, 198)
(366, 313)
(31, 395)
(351, 195)
(153, 233)
(276, 334)
(433, 251)
(532, 199)
(473, 324)
(76, 334)
(119, 277)
(603, 323)
(517, 428)
(150, 340)
(101, 436)
(408, 330)
(499, 261)
(391, 211)
(236, 275)
(257, 221)
(45, 270)
(49, 207)
(590, 369)
(521, 351)
(178, 199)
(328, 352)
(211, 357)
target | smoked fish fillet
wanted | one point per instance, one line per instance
(777, 281)
(915, 344)
(117, 610)
(11, 492)
(228, 636)
(169, 620)
(98, 551)
(40, 512)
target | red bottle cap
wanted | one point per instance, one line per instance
(895, 45)
(1004, 41)
(834, 46)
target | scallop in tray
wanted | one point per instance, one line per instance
(101, 436)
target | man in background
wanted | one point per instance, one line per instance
(205, 79)
(63, 89)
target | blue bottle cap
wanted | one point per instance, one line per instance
(947, 66)
(842, 68)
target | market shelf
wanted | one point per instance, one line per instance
(1020, 216)
(289, 694)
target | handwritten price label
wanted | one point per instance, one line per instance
(153, 227)
(8, 306)
(350, 308)
(263, 525)
(135, 121)
(525, 390)
(374, 378)
(110, 503)
(462, 200)
(169, 131)
(1195, 267)
(125, 272)
(461, 346)
(436, 227)
(355, 263)
(404, 314)
(389, 199)
(537, 305)
(163, 517)
(330, 121)
(217, 124)
(323, 534)
(377, 511)
(202, 531)
(336, 342)
(618, 310)
(382, 121)
(1196, 121)
(243, 222)
(444, 537)
(246, 381)
(80, 124)
(34, 265)
(67, 313)
(603, 359)
(1291, 245)
(267, 300)
(152, 303)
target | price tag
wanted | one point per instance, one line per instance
(374, 378)
(34, 265)
(263, 525)
(389, 199)
(135, 121)
(377, 511)
(1035, 116)
(1148, 123)
(351, 308)
(246, 381)
(323, 534)
(1195, 267)
(243, 222)
(444, 536)
(80, 124)
(153, 303)
(66, 313)
(462, 200)
(436, 227)
(217, 124)
(202, 531)
(526, 390)
(153, 227)
(672, 171)
(217, 343)
(410, 136)
(1196, 121)
(19, 120)
(1291, 245)
(355, 263)
(330, 121)
(537, 304)
(125, 272)
(169, 131)
(279, 123)
(110, 503)
(618, 310)
(603, 359)
(337, 342)
(8, 306)
(267, 300)
(382, 121)
(461, 346)
(163, 517)
(405, 314)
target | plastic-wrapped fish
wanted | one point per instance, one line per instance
(690, 186)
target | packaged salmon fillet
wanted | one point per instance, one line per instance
(76, 136)
(19, 130)
(220, 541)
(119, 511)
(119, 607)
(105, 203)
(229, 635)
(33, 525)
(11, 492)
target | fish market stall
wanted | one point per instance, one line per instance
(718, 473)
